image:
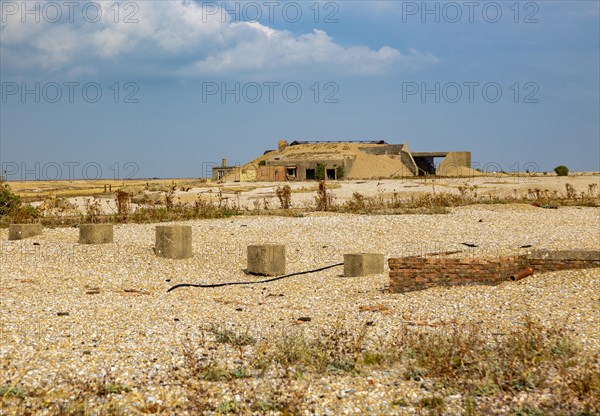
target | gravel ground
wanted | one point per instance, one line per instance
(75, 311)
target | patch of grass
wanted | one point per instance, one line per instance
(528, 411)
(414, 373)
(420, 204)
(57, 211)
(434, 403)
(213, 372)
(235, 339)
(400, 402)
(14, 391)
(525, 359)
(485, 388)
(114, 388)
(229, 407)
(288, 398)
(338, 351)
(470, 406)
(72, 408)
(440, 202)
(191, 375)
(264, 406)
(487, 370)
(372, 358)
(294, 350)
(584, 380)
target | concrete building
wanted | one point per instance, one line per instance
(307, 160)
(224, 172)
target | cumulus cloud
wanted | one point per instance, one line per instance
(182, 38)
(279, 50)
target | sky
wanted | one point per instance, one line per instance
(143, 89)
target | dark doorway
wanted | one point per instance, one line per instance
(291, 172)
(331, 174)
(425, 165)
(310, 174)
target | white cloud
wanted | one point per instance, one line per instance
(184, 39)
(280, 50)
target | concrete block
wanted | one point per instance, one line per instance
(362, 264)
(173, 241)
(95, 233)
(266, 259)
(21, 231)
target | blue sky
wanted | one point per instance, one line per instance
(184, 84)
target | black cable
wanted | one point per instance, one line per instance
(255, 282)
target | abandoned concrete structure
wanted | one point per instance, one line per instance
(224, 171)
(307, 160)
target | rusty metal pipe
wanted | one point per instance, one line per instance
(527, 271)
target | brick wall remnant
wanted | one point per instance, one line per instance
(417, 273)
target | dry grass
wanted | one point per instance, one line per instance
(56, 211)
(284, 194)
(440, 202)
(487, 370)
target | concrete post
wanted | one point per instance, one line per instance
(362, 264)
(266, 259)
(95, 233)
(21, 231)
(173, 241)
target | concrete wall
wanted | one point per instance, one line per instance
(453, 162)
(388, 149)
(22, 231)
(409, 162)
(229, 173)
(248, 175)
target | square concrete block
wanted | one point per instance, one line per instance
(173, 241)
(95, 233)
(362, 264)
(21, 231)
(266, 259)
